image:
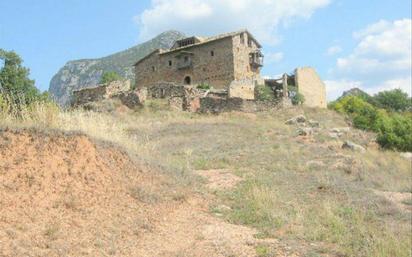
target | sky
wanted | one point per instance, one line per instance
(351, 43)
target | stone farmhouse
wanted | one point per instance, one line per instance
(228, 63)
(214, 74)
(215, 61)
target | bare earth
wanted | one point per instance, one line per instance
(65, 195)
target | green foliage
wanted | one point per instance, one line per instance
(393, 100)
(395, 132)
(109, 76)
(394, 129)
(204, 86)
(264, 93)
(296, 97)
(15, 84)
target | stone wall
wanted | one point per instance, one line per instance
(241, 51)
(165, 90)
(311, 87)
(244, 89)
(94, 94)
(218, 105)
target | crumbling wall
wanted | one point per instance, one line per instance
(244, 89)
(117, 87)
(218, 105)
(165, 90)
(100, 92)
(86, 95)
(311, 87)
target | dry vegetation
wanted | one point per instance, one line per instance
(306, 193)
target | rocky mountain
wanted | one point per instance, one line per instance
(87, 72)
(355, 92)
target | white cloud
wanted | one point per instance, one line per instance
(401, 83)
(381, 59)
(271, 58)
(207, 17)
(333, 50)
(383, 48)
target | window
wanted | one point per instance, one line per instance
(212, 53)
(170, 63)
(249, 42)
(153, 68)
(186, 58)
(242, 39)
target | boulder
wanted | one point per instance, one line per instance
(407, 155)
(352, 146)
(314, 123)
(305, 131)
(296, 120)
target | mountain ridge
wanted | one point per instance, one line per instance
(82, 73)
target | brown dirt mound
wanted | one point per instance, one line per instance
(64, 195)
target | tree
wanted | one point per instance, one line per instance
(15, 84)
(109, 76)
(393, 100)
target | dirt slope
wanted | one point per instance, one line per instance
(65, 195)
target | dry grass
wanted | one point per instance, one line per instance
(298, 189)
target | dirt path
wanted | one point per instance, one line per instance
(189, 229)
(62, 195)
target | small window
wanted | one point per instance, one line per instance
(249, 43)
(212, 53)
(153, 68)
(242, 39)
(186, 58)
(170, 63)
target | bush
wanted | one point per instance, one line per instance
(394, 129)
(294, 95)
(15, 86)
(362, 113)
(109, 77)
(204, 86)
(264, 93)
(393, 100)
(395, 132)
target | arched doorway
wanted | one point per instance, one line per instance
(187, 80)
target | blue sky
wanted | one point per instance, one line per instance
(351, 43)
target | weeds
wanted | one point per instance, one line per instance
(292, 189)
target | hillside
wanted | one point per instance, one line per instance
(234, 184)
(87, 72)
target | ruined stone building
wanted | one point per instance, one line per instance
(215, 61)
(228, 64)
(213, 74)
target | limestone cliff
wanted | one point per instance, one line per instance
(87, 72)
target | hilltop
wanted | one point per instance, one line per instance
(234, 184)
(83, 73)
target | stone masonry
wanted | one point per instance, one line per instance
(311, 87)
(215, 61)
(100, 92)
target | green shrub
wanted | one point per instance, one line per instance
(15, 85)
(264, 93)
(109, 76)
(204, 86)
(296, 97)
(394, 129)
(393, 100)
(395, 132)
